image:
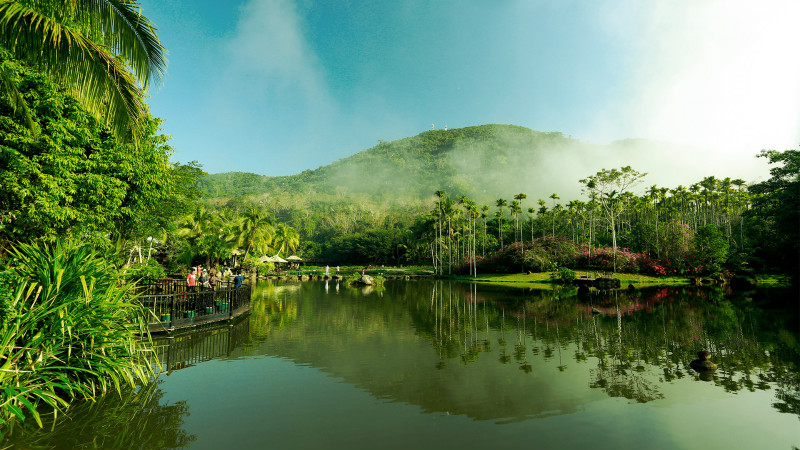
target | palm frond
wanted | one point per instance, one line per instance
(57, 38)
(131, 35)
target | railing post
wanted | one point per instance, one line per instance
(172, 311)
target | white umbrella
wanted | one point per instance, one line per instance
(278, 259)
(266, 258)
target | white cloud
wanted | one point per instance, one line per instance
(720, 74)
(270, 49)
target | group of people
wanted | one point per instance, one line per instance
(199, 276)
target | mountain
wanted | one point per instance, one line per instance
(468, 161)
(483, 162)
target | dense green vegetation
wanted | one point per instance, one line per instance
(69, 323)
(104, 54)
(81, 182)
(713, 225)
(68, 330)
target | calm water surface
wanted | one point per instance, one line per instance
(427, 364)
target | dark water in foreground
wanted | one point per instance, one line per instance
(447, 365)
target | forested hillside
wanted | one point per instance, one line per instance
(465, 160)
(435, 195)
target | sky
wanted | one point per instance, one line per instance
(276, 87)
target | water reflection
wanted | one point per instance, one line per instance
(626, 344)
(138, 419)
(184, 350)
(487, 353)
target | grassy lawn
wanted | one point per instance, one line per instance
(540, 279)
(545, 277)
(373, 270)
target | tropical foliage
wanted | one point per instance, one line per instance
(70, 330)
(105, 53)
(447, 216)
(74, 179)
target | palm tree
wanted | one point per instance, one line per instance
(500, 203)
(104, 52)
(439, 196)
(555, 197)
(195, 225)
(519, 198)
(285, 238)
(516, 210)
(484, 216)
(531, 211)
(541, 212)
(739, 183)
(256, 230)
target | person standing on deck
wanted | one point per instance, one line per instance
(237, 280)
(191, 279)
(213, 281)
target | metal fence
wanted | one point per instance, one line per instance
(174, 304)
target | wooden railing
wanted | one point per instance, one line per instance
(175, 305)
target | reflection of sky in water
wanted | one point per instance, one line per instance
(352, 371)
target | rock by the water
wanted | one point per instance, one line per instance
(366, 280)
(702, 364)
(606, 283)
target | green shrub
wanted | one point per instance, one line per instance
(76, 333)
(145, 273)
(565, 275)
(353, 278)
(251, 263)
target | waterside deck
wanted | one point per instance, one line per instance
(174, 305)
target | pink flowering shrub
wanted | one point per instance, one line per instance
(631, 262)
(541, 255)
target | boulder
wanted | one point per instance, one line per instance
(606, 283)
(366, 280)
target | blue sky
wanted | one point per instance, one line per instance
(276, 87)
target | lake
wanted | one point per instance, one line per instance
(438, 364)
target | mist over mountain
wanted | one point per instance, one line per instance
(483, 162)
